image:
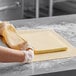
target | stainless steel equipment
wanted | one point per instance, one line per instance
(38, 8)
(11, 9)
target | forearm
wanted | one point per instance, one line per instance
(10, 55)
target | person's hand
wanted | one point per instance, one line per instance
(29, 54)
(26, 47)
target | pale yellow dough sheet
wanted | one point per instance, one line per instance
(43, 41)
(47, 41)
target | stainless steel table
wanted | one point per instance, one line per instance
(58, 67)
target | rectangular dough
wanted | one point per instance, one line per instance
(43, 41)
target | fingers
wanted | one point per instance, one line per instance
(27, 47)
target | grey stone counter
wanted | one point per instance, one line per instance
(65, 26)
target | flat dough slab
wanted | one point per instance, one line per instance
(71, 51)
(43, 41)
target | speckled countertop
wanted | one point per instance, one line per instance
(66, 29)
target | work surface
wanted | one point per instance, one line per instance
(65, 26)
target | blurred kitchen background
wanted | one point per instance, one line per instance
(26, 9)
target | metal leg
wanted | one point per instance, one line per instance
(50, 7)
(37, 8)
(22, 8)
